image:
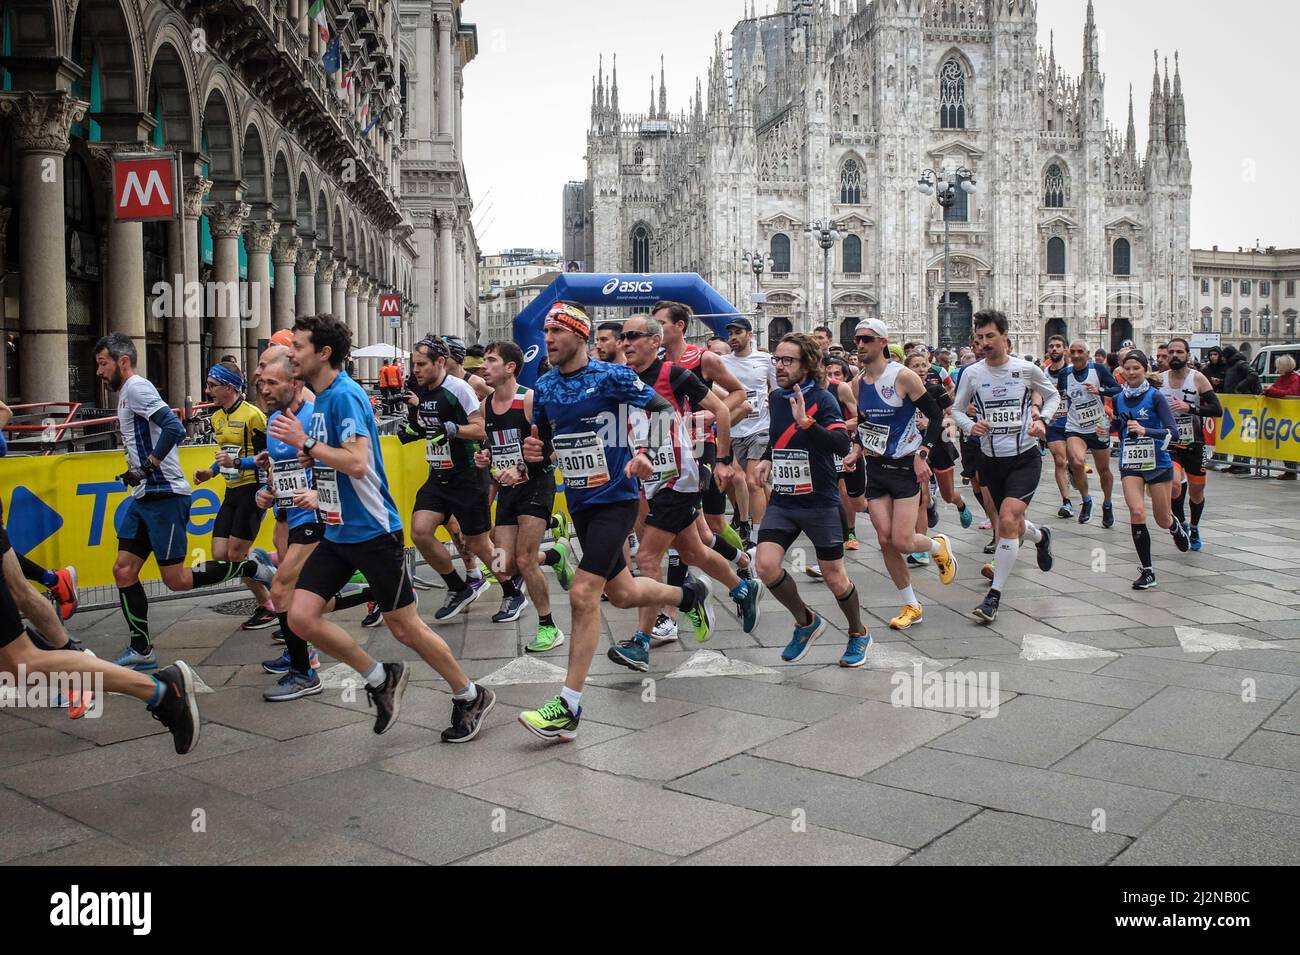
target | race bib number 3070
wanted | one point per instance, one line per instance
(581, 458)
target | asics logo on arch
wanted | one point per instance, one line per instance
(531, 353)
(644, 285)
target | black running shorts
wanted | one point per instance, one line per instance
(312, 533)
(602, 531)
(823, 525)
(381, 559)
(535, 498)
(891, 477)
(465, 499)
(673, 511)
(1012, 477)
(239, 516)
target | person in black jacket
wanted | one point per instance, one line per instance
(1239, 378)
(1215, 367)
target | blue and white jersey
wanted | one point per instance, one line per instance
(136, 403)
(353, 509)
(287, 475)
(886, 417)
(1086, 412)
(1003, 396)
(594, 416)
(1150, 451)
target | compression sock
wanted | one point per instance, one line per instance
(1004, 559)
(732, 539)
(852, 612)
(1198, 508)
(1179, 506)
(544, 620)
(455, 584)
(135, 608)
(785, 591)
(1032, 533)
(1142, 541)
(219, 571)
(550, 558)
(299, 654)
(676, 575)
(36, 573)
(724, 547)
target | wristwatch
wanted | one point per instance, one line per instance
(308, 445)
(726, 460)
(806, 423)
(923, 453)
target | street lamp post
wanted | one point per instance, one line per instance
(826, 232)
(943, 186)
(757, 259)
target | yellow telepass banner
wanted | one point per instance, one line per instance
(1258, 427)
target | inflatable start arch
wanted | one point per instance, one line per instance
(618, 291)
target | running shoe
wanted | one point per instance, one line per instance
(64, 592)
(934, 487)
(563, 570)
(1066, 509)
(265, 571)
(803, 638)
(142, 662)
(511, 608)
(467, 716)
(1107, 514)
(814, 571)
(177, 709)
(633, 654)
(1085, 511)
(552, 721)
(945, 560)
(910, 614)
(456, 603)
(548, 637)
(918, 560)
(374, 616)
(1180, 537)
(664, 630)
(988, 610)
(262, 619)
(477, 584)
(991, 546)
(851, 542)
(855, 654)
(1044, 547)
(967, 517)
(1146, 580)
(277, 636)
(932, 514)
(633, 545)
(281, 664)
(987, 571)
(986, 526)
(1194, 536)
(747, 608)
(560, 524)
(485, 575)
(700, 615)
(746, 572)
(294, 686)
(387, 698)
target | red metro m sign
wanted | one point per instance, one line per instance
(145, 188)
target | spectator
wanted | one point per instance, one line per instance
(1238, 379)
(1286, 386)
(1215, 368)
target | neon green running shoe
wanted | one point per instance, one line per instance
(548, 638)
(731, 537)
(701, 615)
(563, 570)
(552, 721)
(359, 578)
(560, 524)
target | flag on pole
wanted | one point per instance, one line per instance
(373, 120)
(332, 59)
(317, 13)
(345, 85)
(363, 113)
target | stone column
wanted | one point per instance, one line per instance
(306, 271)
(123, 261)
(446, 84)
(339, 301)
(185, 313)
(258, 240)
(227, 221)
(376, 333)
(446, 276)
(351, 289)
(40, 124)
(324, 282)
(284, 256)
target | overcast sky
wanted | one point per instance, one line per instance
(528, 97)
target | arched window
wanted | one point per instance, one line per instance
(780, 253)
(1225, 322)
(1245, 321)
(852, 254)
(1055, 256)
(777, 329)
(848, 327)
(1120, 257)
(952, 96)
(638, 154)
(850, 182)
(958, 211)
(640, 249)
(1054, 187)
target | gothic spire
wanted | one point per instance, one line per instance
(1091, 58)
(613, 90)
(1051, 58)
(663, 91)
(1130, 136)
(1177, 118)
(1156, 121)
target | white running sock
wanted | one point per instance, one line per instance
(908, 596)
(934, 547)
(1004, 559)
(1032, 533)
(375, 676)
(468, 692)
(572, 699)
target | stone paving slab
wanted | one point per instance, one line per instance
(1199, 832)
(777, 843)
(1267, 748)
(27, 827)
(1030, 730)
(1189, 721)
(558, 845)
(1201, 676)
(1002, 838)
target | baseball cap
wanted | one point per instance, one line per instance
(283, 337)
(873, 325)
(740, 322)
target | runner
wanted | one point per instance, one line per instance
(1146, 427)
(458, 356)
(756, 372)
(1008, 426)
(525, 495)
(1054, 365)
(944, 454)
(896, 459)
(362, 532)
(156, 518)
(673, 490)
(852, 476)
(1084, 386)
(608, 347)
(808, 432)
(587, 411)
(1191, 397)
(446, 414)
(239, 429)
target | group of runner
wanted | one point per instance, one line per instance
(653, 437)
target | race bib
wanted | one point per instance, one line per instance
(874, 437)
(1186, 428)
(288, 478)
(327, 495)
(664, 462)
(233, 450)
(839, 463)
(581, 458)
(791, 471)
(507, 456)
(438, 455)
(1004, 416)
(1089, 413)
(1139, 454)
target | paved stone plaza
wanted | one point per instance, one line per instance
(1155, 753)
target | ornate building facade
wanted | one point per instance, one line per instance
(832, 111)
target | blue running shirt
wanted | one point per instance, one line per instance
(287, 473)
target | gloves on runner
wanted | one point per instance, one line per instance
(133, 477)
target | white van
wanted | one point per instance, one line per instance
(1265, 361)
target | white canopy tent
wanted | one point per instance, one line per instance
(380, 350)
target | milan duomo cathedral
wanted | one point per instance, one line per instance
(833, 111)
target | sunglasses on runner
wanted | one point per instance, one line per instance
(865, 339)
(632, 336)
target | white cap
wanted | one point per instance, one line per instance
(873, 325)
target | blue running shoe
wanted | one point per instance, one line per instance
(633, 654)
(747, 608)
(1107, 514)
(855, 654)
(967, 517)
(280, 664)
(802, 640)
(1085, 511)
(1194, 535)
(142, 662)
(294, 686)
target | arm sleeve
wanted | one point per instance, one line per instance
(965, 391)
(828, 431)
(929, 407)
(1210, 406)
(1109, 386)
(1043, 385)
(172, 431)
(687, 383)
